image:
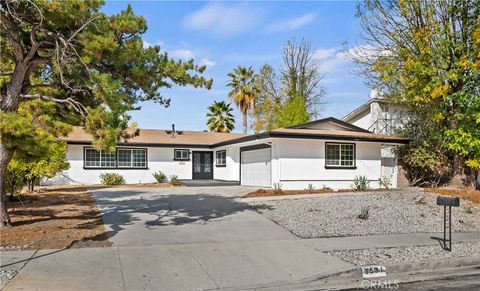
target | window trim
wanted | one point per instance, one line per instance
(85, 167)
(131, 149)
(216, 158)
(100, 159)
(340, 167)
(181, 159)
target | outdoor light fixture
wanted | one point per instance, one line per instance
(447, 201)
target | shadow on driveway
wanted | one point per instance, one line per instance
(135, 216)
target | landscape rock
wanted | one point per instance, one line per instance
(393, 212)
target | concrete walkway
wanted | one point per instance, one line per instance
(208, 183)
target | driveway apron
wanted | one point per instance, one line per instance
(183, 215)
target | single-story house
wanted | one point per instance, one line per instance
(325, 153)
(381, 116)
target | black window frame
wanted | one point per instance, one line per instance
(340, 167)
(181, 159)
(85, 167)
(225, 158)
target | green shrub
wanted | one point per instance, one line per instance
(364, 212)
(174, 180)
(112, 179)
(14, 179)
(310, 188)
(469, 209)
(360, 183)
(421, 201)
(159, 176)
(385, 182)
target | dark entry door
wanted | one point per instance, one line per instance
(202, 165)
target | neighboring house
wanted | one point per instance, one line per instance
(377, 115)
(381, 117)
(324, 153)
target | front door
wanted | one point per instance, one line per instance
(202, 165)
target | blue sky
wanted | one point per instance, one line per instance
(223, 35)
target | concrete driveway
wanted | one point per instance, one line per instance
(197, 238)
(157, 216)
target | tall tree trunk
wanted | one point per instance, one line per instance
(459, 177)
(31, 184)
(5, 157)
(245, 123)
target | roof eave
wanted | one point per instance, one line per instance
(362, 108)
(337, 137)
(144, 144)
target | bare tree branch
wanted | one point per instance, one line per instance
(76, 105)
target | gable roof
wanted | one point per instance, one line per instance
(362, 108)
(327, 134)
(326, 123)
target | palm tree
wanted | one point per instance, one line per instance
(220, 117)
(243, 91)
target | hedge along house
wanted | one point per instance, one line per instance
(324, 153)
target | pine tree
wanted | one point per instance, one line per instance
(93, 67)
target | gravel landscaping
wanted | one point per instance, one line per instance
(406, 211)
(6, 276)
(407, 254)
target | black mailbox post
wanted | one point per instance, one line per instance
(447, 201)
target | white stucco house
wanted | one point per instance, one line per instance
(380, 116)
(327, 152)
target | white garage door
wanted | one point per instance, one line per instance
(256, 168)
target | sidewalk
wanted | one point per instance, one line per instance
(194, 266)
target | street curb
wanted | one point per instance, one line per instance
(401, 273)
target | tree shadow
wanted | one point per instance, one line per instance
(122, 208)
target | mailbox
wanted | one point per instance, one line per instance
(448, 201)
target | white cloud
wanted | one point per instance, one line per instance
(321, 54)
(183, 54)
(334, 59)
(147, 44)
(207, 62)
(223, 19)
(292, 23)
(332, 64)
(364, 52)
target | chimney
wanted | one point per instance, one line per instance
(376, 94)
(173, 130)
